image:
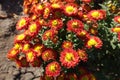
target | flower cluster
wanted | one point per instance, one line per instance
(59, 34)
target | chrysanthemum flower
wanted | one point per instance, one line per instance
(42, 22)
(83, 55)
(117, 19)
(22, 62)
(94, 42)
(70, 1)
(39, 9)
(55, 1)
(17, 46)
(69, 58)
(116, 29)
(67, 45)
(83, 34)
(70, 9)
(49, 34)
(12, 54)
(96, 14)
(26, 46)
(53, 69)
(33, 29)
(74, 25)
(22, 23)
(46, 12)
(93, 31)
(56, 6)
(71, 76)
(39, 48)
(48, 54)
(36, 63)
(84, 77)
(86, 1)
(55, 24)
(20, 38)
(31, 56)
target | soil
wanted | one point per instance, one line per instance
(10, 12)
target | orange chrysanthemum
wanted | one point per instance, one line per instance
(22, 23)
(55, 24)
(39, 48)
(20, 38)
(46, 12)
(96, 15)
(33, 29)
(117, 19)
(48, 54)
(116, 29)
(56, 6)
(22, 62)
(17, 46)
(70, 9)
(31, 56)
(82, 55)
(26, 47)
(74, 25)
(39, 9)
(67, 45)
(70, 1)
(94, 42)
(49, 34)
(53, 69)
(55, 1)
(69, 58)
(12, 54)
(36, 63)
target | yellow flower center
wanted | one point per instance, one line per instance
(53, 67)
(95, 14)
(20, 37)
(17, 46)
(13, 52)
(22, 22)
(55, 5)
(40, 7)
(69, 9)
(82, 33)
(33, 27)
(48, 34)
(46, 54)
(92, 42)
(54, 22)
(118, 19)
(75, 25)
(69, 57)
(67, 45)
(30, 55)
(116, 29)
(26, 47)
(46, 11)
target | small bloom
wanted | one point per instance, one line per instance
(53, 69)
(67, 45)
(17, 46)
(69, 58)
(74, 25)
(20, 38)
(48, 54)
(117, 19)
(12, 54)
(70, 9)
(31, 56)
(56, 6)
(82, 55)
(116, 29)
(46, 12)
(94, 42)
(49, 34)
(55, 24)
(96, 15)
(26, 47)
(33, 29)
(38, 48)
(86, 1)
(22, 62)
(39, 9)
(36, 63)
(22, 23)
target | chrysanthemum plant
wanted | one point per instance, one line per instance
(70, 39)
